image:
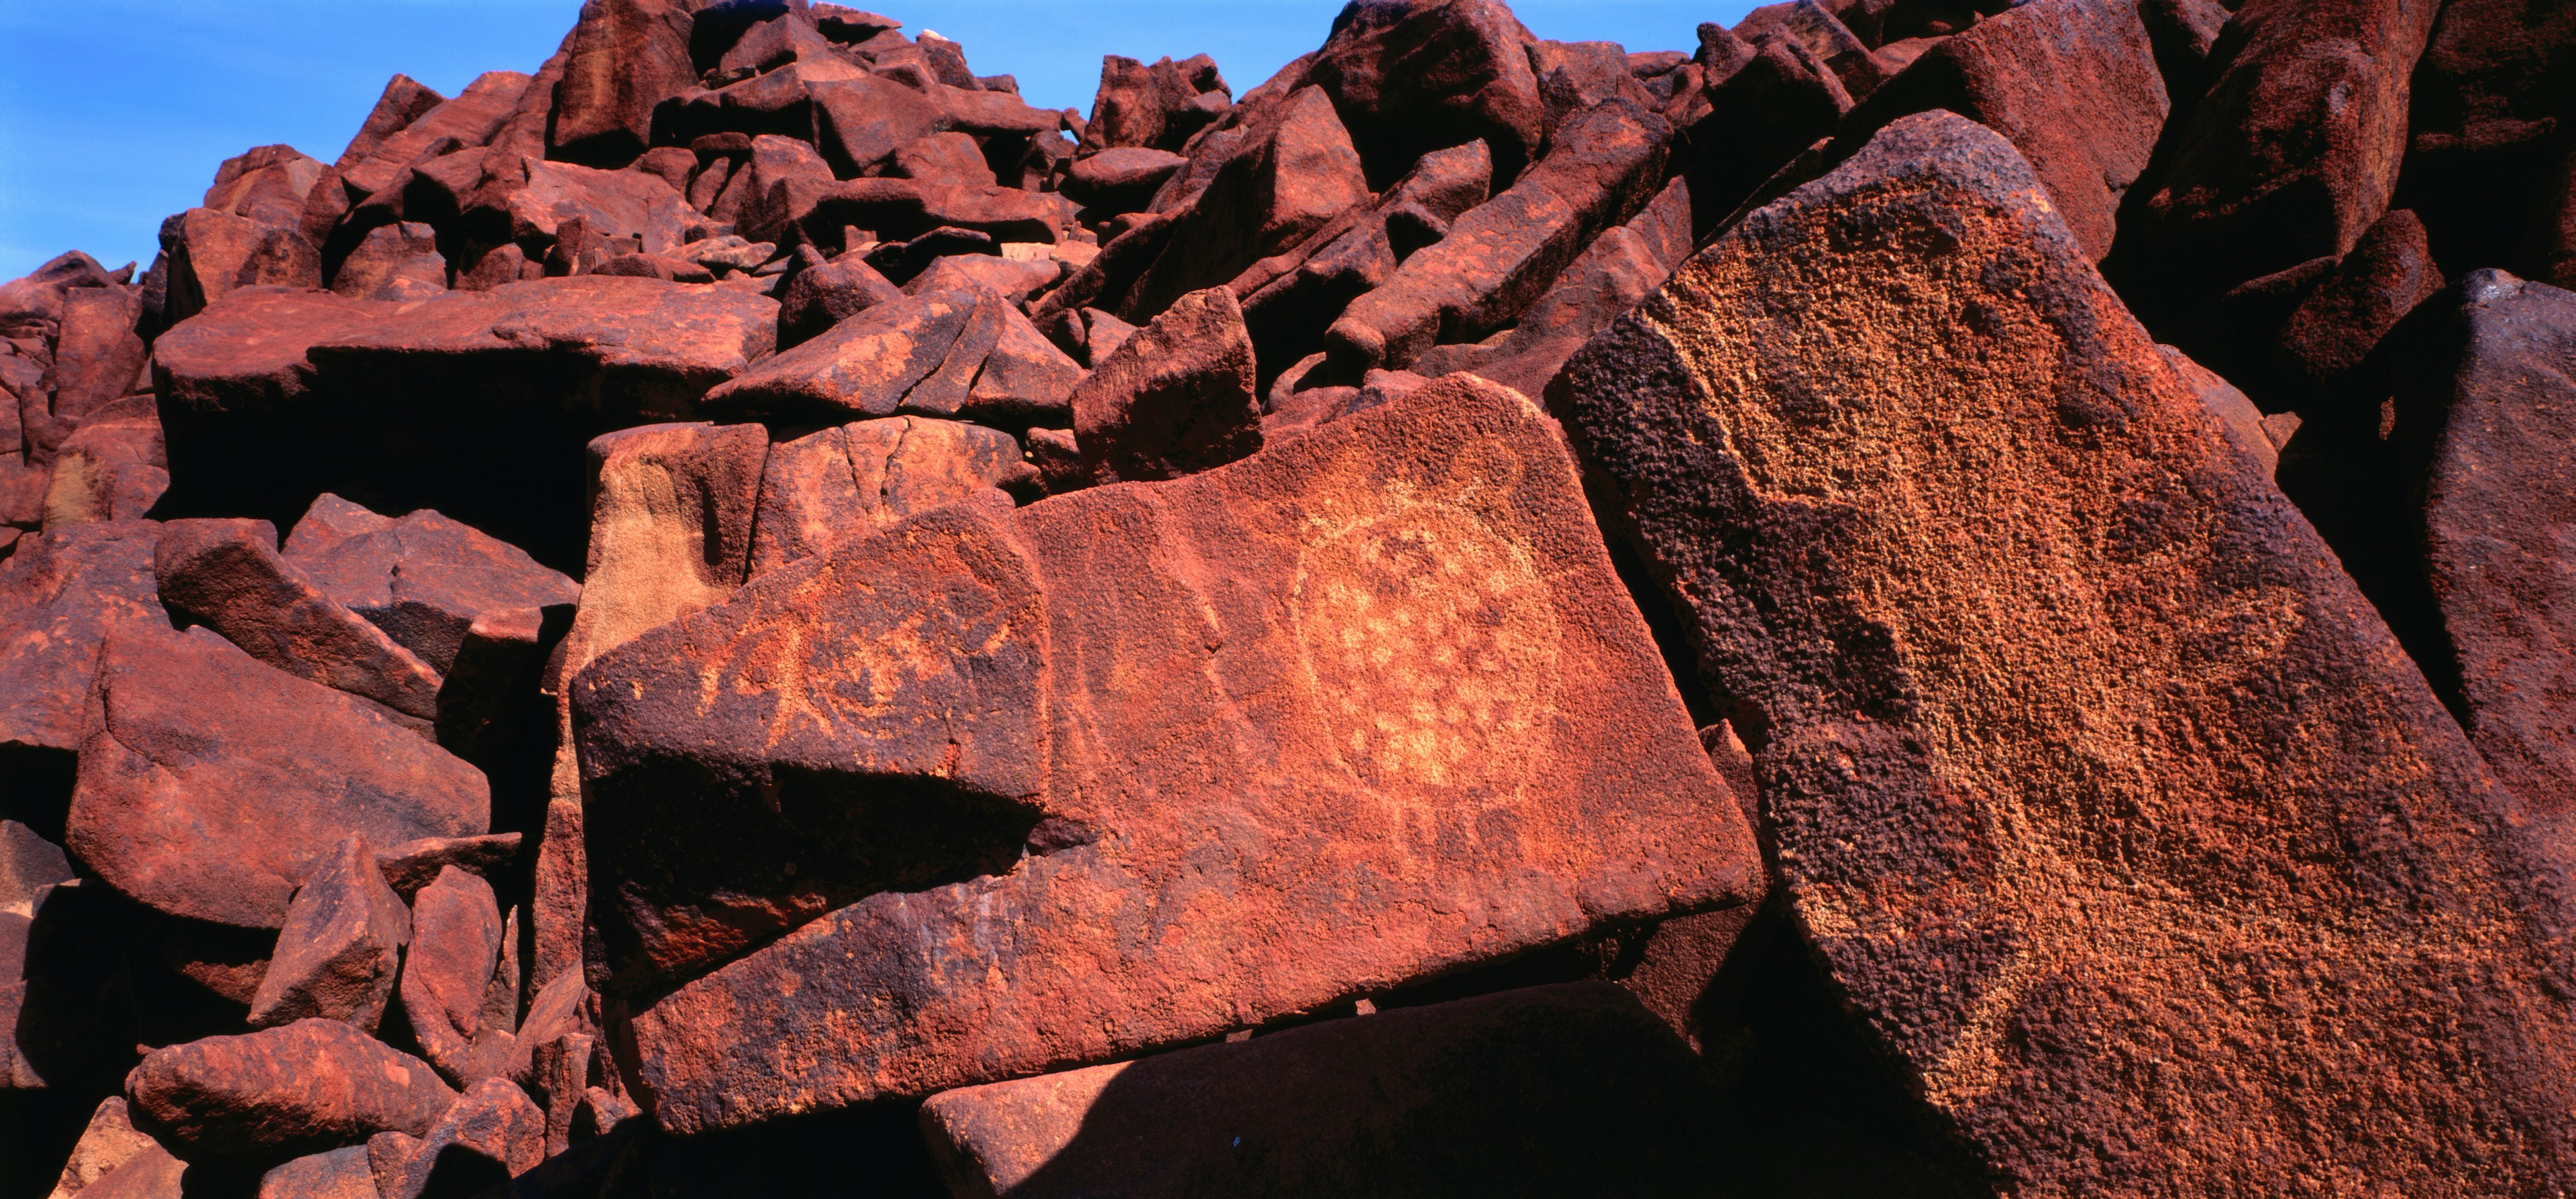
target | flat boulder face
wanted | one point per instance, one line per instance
(61, 595)
(963, 353)
(1177, 397)
(211, 785)
(2038, 666)
(313, 1084)
(228, 576)
(825, 488)
(420, 577)
(2495, 498)
(1419, 75)
(1360, 709)
(1568, 1089)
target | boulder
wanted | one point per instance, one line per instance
(1499, 257)
(825, 488)
(1774, 103)
(2294, 152)
(823, 294)
(2238, 418)
(1156, 108)
(266, 185)
(61, 595)
(1293, 179)
(2319, 363)
(1814, 29)
(491, 1135)
(422, 578)
(2072, 84)
(211, 253)
(311, 1085)
(109, 1141)
(455, 947)
(217, 811)
(469, 120)
(817, 211)
(98, 358)
(1176, 398)
(755, 190)
(114, 466)
(1567, 1089)
(967, 354)
(1415, 76)
(150, 1174)
(228, 576)
(2492, 435)
(337, 1174)
(627, 57)
(29, 865)
(2487, 114)
(340, 948)
(538, 200)
(1267, 763)
(398, 262)
(1015, 279)
(412, 865)
(1122, 179)
(2147, 876)
(859, 121)
(403, 101)
(947, 158)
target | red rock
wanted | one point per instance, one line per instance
(1569, 1089)
(340, 947)
(236, 381)
(228, 576)
(823, 294)
(1777, 102)
(415, 864)
(1620, 268)
(2487, 153)
(902, 261)
(61, 595)
(455, 946)
(2319, 359)
(405, 100)
(1153, 108)
(216, 811)
(212, 253)
(2293, 153)
(1121, 179)
(774, 43)
(1813, 26)
(492, 1134)
(859, 122)
(1413, 76)
(29, 864)
(610, 204)
(627, 57)
(267, 185)
(966, 354)
(97, 356)
(1501, 255)
(902, 209)
(1300, 174)
(774, 160)
(2238, 418)
(405, 251)
(825, 488)
(2162, 861)
(114, 466)
(150, 1174)
(654, 266)
(338, 1174)
(421, 577)
(2072, 84)
(109, 1141)
(2492, 434)
(471, 119)
(1177, 398)
(313, 1084)
(1131, 791)
(945, 158)
(670, 533)
(31, 305)
(1014, 279)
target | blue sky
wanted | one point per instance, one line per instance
(115, 113)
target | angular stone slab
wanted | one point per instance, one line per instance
(313, 1084)
(826, 488)
(228, 575)
(1572, 1089)
(1365, 707)
(61, 594)
(210, 785)
(2105, 799)
(421, 577)
(340, 948)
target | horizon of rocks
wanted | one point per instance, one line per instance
(1933, 598)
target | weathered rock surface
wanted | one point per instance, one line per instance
(1273, 735)
(825, 488)
(2036, 661)
(313, 1084)
(965, 354)
(61, 595)
(210, 785)
(1178, 397)
(422, 578)
(340, 948)
(492, 1134)
(1564, 1089)
(455, 946)
(228, 576)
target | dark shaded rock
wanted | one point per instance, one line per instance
(311, 1085)
(340, 948)
(2072, 84)
(1413, 76)
(900, 261)
(2238, 418)
(1270, 713)
(2293, 154)
(902, 209)
(61, 595)
(421, 577)
(412, 865)
(1568, 1089)
(1828, 541)
(1176, 398)
(228, 576)
(823, 294)
(2490, 127)
(825, 488)
(627, 57)
(1814, 27)
(1781, 100)
(1501, 255)
(2319, 361)
(1158, 107)
(215, 811)
(492, 1134)
(29, 864)
(455, 947)
(1297, 176)
(965, 354)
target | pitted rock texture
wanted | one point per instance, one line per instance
(1367, 761)
(2037, 664)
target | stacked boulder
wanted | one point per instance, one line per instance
(1924, 597)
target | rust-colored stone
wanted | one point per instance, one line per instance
(61, 595)
(2108, 805)
(421, 577)
(340, 948)
(1247, 799)
(313, 1084)
(627, 57)
(228, 576)
(1176, 398)
(825, 488)
(455, 946)
(966, 353)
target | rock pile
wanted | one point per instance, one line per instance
(1929, 597)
